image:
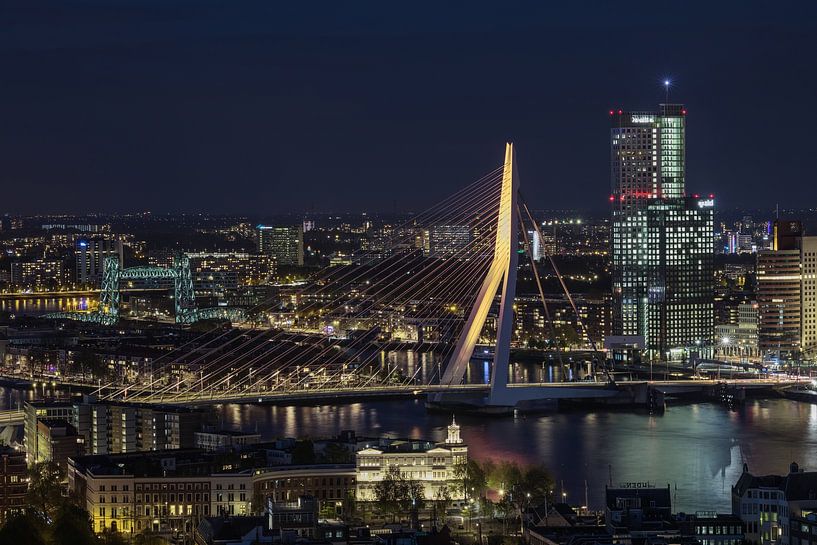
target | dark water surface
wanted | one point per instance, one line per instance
(700, 448)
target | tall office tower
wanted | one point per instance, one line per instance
(787, 292)
(90, 256)
(662, 240)
(284, 243)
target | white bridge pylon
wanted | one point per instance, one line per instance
(501, 272)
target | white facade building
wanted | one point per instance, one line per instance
(431, 464)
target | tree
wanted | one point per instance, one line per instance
(72, 526)
(471, 479)
(259, 503)
(335, 453)
(387, 493)
(442, 501)
(520, 487)
(395, 494)
(45, 489)
(504, 476)
(36, 360)
(536, 483)
(86, 362)
(23, 528)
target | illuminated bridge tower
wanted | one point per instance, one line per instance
(501, 276)
(662, 238)
(183, 296)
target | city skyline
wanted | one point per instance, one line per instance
(266, 278)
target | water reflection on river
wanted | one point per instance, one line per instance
(36, 305)
(700, 448)
(425, 367)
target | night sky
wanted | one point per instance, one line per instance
(266, 107)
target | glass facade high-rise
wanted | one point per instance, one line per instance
(662, 239)
(284, 243)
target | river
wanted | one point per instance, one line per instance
(35, 305)
(698, 449)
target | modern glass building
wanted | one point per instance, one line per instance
(662, 239)
(284, 243)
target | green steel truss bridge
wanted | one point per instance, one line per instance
(184, 298)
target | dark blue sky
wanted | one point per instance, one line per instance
(267, 107)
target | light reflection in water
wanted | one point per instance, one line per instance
(700, 448)
(32, 306)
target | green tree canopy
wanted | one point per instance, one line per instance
(45, 489)
(396, 495)
(72, 526)
(471, 478)
(23, 529)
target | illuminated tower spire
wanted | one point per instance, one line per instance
(453, 433)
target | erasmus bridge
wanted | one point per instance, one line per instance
(459, 294)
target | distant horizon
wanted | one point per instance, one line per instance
(594, 212)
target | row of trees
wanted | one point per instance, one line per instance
(475, 479)
(497, 489)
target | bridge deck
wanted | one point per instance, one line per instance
(546, 389)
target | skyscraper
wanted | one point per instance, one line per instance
(662, 239)
(787, 292)
(90, 256)
(284, 243)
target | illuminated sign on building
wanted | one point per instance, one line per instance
(643, 119)
(638, 484)
(706, 203)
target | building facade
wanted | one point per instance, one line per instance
(284, 243)
(170, 492)
(787, 293)
(107, 428)
(662, 239)
(90, 258)
(57, 441)
(34, 413)
(431, 464)
(215, 273)
(39, 273)
(808, 295)
(13, 482)
(776, 508)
